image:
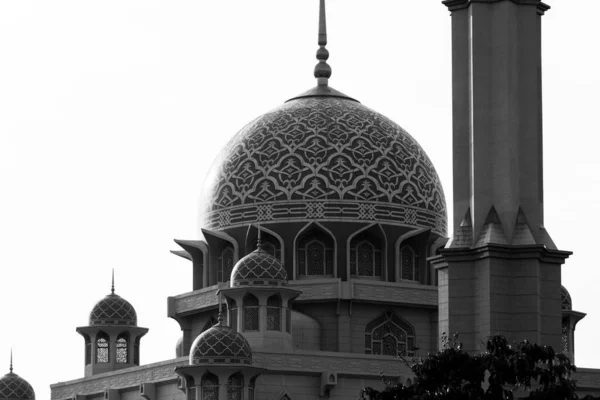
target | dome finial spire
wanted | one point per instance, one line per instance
(112, 288)
(322, 69)
(11, 367)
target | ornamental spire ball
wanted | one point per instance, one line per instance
(322, 69)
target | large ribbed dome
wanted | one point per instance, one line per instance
(220, 345)
(12, 386)
(320, 158)
(258, 268)
(113, 310)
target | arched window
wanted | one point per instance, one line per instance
(365, 259)
(315, 255)
(210, 387)
(232, 310)
(250, 313)
(274, 313)
(225, 264)
(102, 348)
(389, 335)
(235, 387)
(409, 266)
(251, 387)
(123, 348)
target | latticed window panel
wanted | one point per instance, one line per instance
(315, 257)
(408, 264)
(565, 338)
(274, 313)
(210, 387)
(122, 350)
(102, 349)
(225, 265)
(389, 335)
(365, 259)
(251, 313)
(191, 393)
(235, 387)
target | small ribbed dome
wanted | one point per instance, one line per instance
(220, 345)
(258, 268)
(113, 310)
(13, 387)
(565, 298)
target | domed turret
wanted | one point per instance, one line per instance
(13, 387)
(258, 268)
(220, 345)
(112, 339)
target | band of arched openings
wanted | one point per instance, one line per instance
(315, 253)
(210, 387)
(102, 348)
(409, 263)
(366, 256)
(389, 335)
(250, 313)
(122, 348)
(225, 264)
(274, 313)
(235, 387)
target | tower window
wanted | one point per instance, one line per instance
(250, 313)
(235, 387)
(274, 313)
(365, 259)
(315, 255)
(389, 335)
(409, 266)
(225, 264)
(102, 348)
(123, 348)
(210, 387)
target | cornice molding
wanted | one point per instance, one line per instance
(540, 252)
(454, 5)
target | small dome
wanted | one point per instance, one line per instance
(565, 298)
(258, 268)
(179, 347)
(220, 345)
(113, 310)
(13, 387)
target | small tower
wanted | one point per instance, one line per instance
(259, 301)
(13, 387)
(112, 339)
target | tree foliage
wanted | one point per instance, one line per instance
(501, 372)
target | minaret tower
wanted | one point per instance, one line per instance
(500, 272)
(112, 339)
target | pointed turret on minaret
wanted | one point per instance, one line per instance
(500, 272)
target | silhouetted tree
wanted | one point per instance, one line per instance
(501, 372)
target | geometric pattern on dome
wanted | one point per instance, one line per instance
(324, 158)
(565, 299)
(258, 268)
(113, 310)
(12, 386)
(220, 345)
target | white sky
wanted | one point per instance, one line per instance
(111, 113)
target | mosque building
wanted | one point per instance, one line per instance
(325, 254)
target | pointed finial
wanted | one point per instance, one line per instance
(322, 69)
(220, 316)
(112, 288)
(259, 240)
(11, 368)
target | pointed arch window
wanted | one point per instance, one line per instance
(389, 335)
(250, 313)
(210, 387)
(225, 264)
(365, 259)
(235, 387)
(315, 255)
(409, 264)
(123, 348)
(102, 348)
(274, 313)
